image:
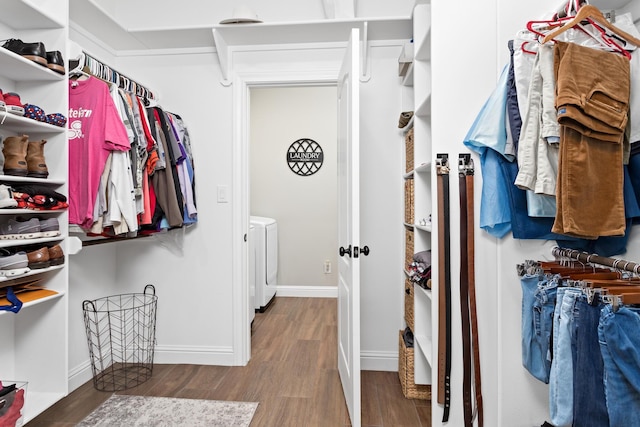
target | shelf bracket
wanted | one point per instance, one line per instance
(365, 72)
(222, 49)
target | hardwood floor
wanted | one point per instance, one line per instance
(292, 373)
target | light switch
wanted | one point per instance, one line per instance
(223, 194)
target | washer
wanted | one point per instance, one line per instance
(266, 245)
(252, 272)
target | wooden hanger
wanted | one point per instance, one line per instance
(592, 12)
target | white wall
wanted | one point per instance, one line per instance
(304, 206)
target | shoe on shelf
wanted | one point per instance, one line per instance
(13, 264)
(56, 119)
(13, 104)
(49, 227)
(34, 112)
(15, 229)
(36, 166)
(55, 61)
(6, 198)
(56, 255)
(35, 52)
(14, 149)
(404, 119)
(38, 258)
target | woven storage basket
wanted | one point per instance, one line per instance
(408, 201)
(410, 389)
(408, 143)
(408, 247)
(408, 304)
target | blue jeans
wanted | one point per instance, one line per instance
(532, 358)
(589, 404)
(619, 335)
(543, 308)
(561, 376)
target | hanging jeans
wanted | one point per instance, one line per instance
(561, 376)
(589, 404)
(619, 335)
(532, 357)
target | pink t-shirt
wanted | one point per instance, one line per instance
(95, 129)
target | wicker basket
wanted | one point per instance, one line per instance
(408, 143)
(408, 304)
(408, 247)
(410, 389)
(408, 201)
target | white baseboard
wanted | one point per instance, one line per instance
(379, 361)
(307, 291)
(168, 354)
(79, 375)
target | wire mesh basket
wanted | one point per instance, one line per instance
(121, 333)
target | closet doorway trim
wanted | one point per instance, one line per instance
(242, 83)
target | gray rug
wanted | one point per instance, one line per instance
(169, 412)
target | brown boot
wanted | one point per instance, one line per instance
(36, 166)
(14, 149)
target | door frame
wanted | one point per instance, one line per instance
(242, 83)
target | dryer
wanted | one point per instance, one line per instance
(266, 246)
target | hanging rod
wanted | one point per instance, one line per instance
(105, 72)
(586, 257)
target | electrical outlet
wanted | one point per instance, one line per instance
(327, 267)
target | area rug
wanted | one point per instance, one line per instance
(167, 412)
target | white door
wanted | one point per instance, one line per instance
(349, 228)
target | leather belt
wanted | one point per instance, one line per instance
(444, 287)
(469, 318)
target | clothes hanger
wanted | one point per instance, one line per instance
(77, 72)
(591, 12)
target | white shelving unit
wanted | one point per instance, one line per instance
(417, 83)
(35, 340)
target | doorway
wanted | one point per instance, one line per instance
(293, 179)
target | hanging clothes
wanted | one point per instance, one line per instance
(95, 129)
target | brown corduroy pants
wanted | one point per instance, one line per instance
(592, 103)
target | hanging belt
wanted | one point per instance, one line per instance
(468, 311)
(444, 287)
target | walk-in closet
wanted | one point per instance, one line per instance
(424, 91)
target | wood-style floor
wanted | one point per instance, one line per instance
(293, 374)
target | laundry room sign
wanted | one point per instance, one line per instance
(305, 157)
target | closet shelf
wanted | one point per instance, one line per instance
(28, 304)
(31, 273)
(426, 228)
(29, 180)
(33, 15)
(425, 344)
(23, 242)
(24, 125)
(17, 68)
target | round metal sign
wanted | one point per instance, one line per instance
(305, 157)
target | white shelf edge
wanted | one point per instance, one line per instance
(32, 272)
(423, 167)
(408, 175)
(26, 305)
(424, 109)
(426, 292)
(407, 80)
(23, 242)
(425, 344)
(29, 180)
(427, 228)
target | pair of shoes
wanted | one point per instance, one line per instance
(45, 257)
(7, 201)
(11, 103)
(23, 157)
(36, 113)
(37, 53)
(32, 228)
(13, 264)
